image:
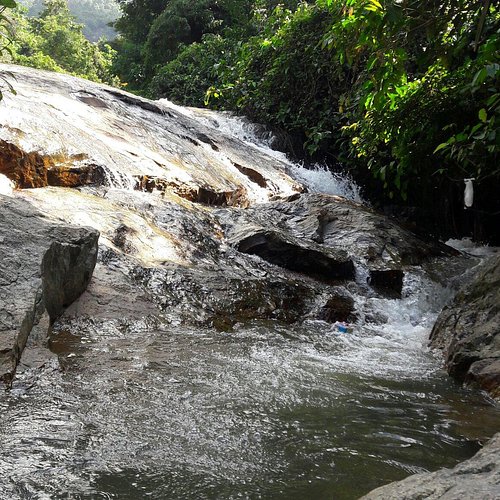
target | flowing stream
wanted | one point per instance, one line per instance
(148, 408)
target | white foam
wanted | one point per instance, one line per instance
(468, 246)
(6, 185)
(319, 179)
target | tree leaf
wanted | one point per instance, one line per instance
(10, 4)
(441, 146)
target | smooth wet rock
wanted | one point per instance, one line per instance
(59, 130)
(467, 330)
(44, 267)
(478, 478)
(150, 176)
(175, 251)
(328, 236)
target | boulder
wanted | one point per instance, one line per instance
(297, 255)
(44, 267)
(467, 330)
(478, 477)
(327, 237)
(63, 131)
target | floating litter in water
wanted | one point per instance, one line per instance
(343, 327)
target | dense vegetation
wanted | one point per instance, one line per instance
(55, 41)
(95, 15)
(405, 94)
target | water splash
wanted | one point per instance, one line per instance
(6, 185)
(320, 179)
(466, 245)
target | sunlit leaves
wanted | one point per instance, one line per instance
(5, 41)
(55, 41)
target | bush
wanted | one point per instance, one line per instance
(198, 66)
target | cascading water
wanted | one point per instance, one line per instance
(148, 405)
(317, 178)
(320, 179)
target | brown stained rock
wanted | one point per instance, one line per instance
(34, 170)
(26, 170)
(151, 183)
(252, 174)
(196, 194)
(83, 175)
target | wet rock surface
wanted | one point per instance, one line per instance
(44, 267)
(296, 255)
(468, 330)
(64, 131)
(216, 267)
(175, 253)
(328, 236)
(33, 169)
(478, 477)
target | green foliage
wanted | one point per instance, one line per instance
(181, 22)
(55, 41)
(375, 84)
(95, 15)
(416, 88)
(186, 78)
(281, 78)
(153, 32)
(475, 143)
(5, 39)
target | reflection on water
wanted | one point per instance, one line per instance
(266, 411)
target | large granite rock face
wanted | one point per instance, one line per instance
(178, 255)
(468, 329)
(44, 267)
(478, 478)
(64, 131)
(216, 267)
(152, 178)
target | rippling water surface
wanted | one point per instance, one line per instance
(145, 410)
